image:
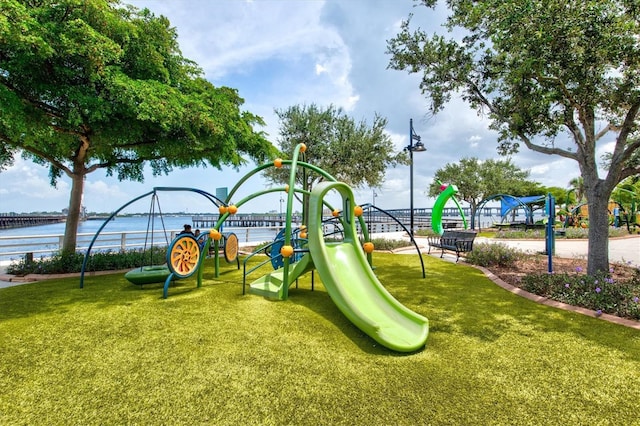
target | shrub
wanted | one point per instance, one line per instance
(574, 233)
(424, 233)
(255, 248)
(600, 292)
(385, 244)
(56, 264)
(493, 254)
(530, 234)
(99, 261)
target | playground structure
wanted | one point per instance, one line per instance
(578, 216)
(623, 201)
(622, 209)
(344, 265)
(510, 204)
(447, 192)
(185, 254)
(509, 208)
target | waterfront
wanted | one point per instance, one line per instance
(130, 232)
(46, 239)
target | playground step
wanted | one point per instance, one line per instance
(269, 285)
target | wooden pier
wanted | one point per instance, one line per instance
(22, 221)
(245, 220)
(422, 218)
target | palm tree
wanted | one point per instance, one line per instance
(577, 186)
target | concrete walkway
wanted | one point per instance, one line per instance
(621, 250)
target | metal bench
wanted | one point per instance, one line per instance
(453, 240)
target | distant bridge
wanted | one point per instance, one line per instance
(8, 221)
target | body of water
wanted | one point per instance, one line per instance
(45, 239)
(126, 224)
(51, 234)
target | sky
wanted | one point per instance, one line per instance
(281, 53)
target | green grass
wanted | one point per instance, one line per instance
(113, 353)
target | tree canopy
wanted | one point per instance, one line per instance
(88, 85)
(477, 180)
(355, 153)
(546, 73)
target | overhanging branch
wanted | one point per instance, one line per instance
(54, 162)
(117, 161)
(629, 171)
(609, 127)
(528, 143)
(547, 150)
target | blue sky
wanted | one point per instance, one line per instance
(279, 53)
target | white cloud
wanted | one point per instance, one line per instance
(474, 141)
(539, 170)
(281, 53)
(26, 188)
(226, 36)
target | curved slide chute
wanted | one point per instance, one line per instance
(352, 284)
(438, 207)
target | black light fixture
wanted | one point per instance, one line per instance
(418, 147)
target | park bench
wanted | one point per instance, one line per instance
(453, 240)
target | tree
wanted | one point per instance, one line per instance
(355, 153)
(477, 180)
(577, 187)
(560, 194)
(88, 85)
(540, 70)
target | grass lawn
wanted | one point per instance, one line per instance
(113, 353)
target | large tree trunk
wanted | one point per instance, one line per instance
(598, 257)
(73, 217)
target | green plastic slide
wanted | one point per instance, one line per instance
(352, 284)
(272, 285)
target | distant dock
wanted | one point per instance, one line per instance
(23, 221)
(422, 218)
(246, 220)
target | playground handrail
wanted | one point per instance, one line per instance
(261, 264)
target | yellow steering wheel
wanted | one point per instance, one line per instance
(183, 256)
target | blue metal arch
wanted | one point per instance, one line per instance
(214, 200)
(518, 203)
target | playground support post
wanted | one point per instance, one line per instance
(418, 147)
(550, 205)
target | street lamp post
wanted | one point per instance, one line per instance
(418, 147)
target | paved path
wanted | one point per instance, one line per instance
(621, 250)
